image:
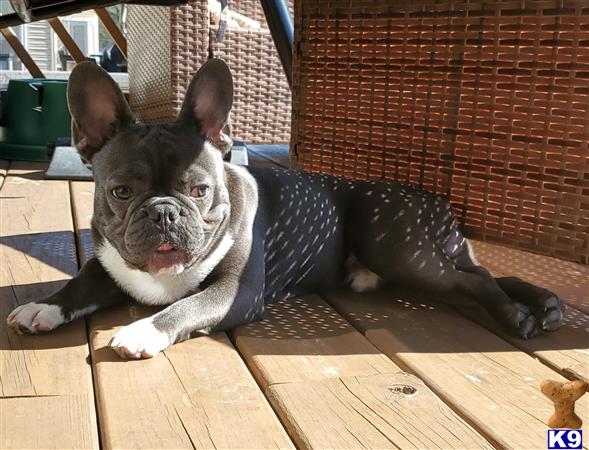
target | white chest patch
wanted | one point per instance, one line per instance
(162, 288)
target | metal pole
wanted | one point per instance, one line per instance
(281, 27)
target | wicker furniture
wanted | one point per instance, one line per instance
(486, 102)
(168, 45)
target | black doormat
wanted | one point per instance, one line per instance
(66, 164)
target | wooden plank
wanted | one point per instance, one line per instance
(38, 256)
(66, 40)
(46, 422)
(566, 351)
(21, 52)
(568, 279)
(333, 389)
(484, 378)
(304, 339)
(198, 393)
(112, 29)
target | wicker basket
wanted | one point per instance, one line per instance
(486, 102)
(168, 45)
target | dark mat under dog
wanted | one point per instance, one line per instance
(269, 155)
(66, 164)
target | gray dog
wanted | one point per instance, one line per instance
(175, 225)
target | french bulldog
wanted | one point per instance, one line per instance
(175, 225)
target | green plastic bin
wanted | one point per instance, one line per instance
(34, 115)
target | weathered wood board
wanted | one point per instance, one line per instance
(333, 389)
(44, 377)
(484, 378)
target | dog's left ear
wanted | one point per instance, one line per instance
(208, 100)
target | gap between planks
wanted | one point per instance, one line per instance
(195, 394)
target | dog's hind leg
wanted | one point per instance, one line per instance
(476, 283)
(409, 237)
(429, 269)
(447, 273)
(546, 307)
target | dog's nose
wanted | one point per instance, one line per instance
(163, 212)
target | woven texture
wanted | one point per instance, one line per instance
(168, 45)
(261, 103)
(486, 102)
(162, 59)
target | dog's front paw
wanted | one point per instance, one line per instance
(33, 318)
(139, 340)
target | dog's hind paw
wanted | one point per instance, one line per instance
(364, 280)
(544, 305)
(549, 312)
(520, 321)
(33, 318)
(360, 278)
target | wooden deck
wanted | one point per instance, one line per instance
(336, 370)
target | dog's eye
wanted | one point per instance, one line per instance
(122, 192)
(200, 191)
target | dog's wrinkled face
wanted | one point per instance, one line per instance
(162, 203)
(161, 199)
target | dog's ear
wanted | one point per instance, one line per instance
(97, 106)
(208, 101)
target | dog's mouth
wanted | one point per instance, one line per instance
(167, 259)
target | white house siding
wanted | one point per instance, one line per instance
(39, 43)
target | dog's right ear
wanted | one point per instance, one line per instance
(98, 108)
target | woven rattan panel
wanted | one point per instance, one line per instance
(168, 45)
(253, 9)
(487, 102)
(150, 94)
(262, 99)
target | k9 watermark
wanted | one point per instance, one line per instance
(565, 439)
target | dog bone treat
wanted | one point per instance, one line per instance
(564, 396)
